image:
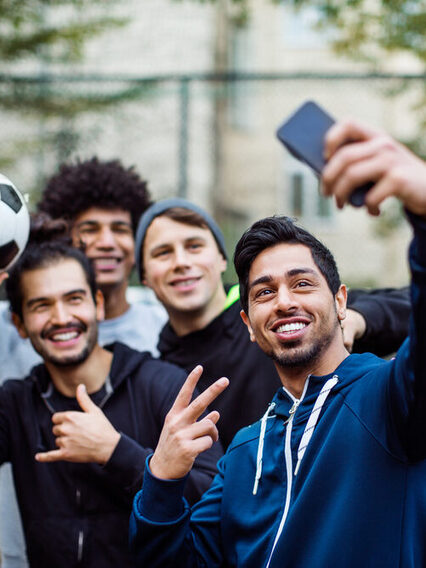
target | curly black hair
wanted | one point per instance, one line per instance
(94, 183)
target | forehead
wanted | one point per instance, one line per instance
(54, 280)
(280, 259)
(103, 216)
(164, 230)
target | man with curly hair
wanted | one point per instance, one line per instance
(102, 200)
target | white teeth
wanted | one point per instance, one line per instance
(64, 336)
(186, 282)
(290, 327)
(105, 261)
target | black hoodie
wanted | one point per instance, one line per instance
(77, 514)
(224, 348)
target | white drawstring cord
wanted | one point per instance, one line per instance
(259, 458)
(313, 419)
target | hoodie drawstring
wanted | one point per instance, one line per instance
(313, 419)
(259, 458)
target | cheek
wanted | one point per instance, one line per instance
(154, 274)
(127, 245)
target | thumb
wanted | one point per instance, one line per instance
(84, 399)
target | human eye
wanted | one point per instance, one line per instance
(88, 229)
(195, 245)
(122, 229)
(39, 307)
(161, 253)
(263, 293)
(75, 299)
(304, 284)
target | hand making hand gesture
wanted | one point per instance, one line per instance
(82, 437)
(184, 437)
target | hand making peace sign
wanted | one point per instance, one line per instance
(183, 437)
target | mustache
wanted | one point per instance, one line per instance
(79, 326)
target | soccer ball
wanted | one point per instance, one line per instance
(14, 223)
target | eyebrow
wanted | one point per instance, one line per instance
(94, 223)
(33, 301)
(170, 243)
(293, 272)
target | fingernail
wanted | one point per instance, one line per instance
(223, 381)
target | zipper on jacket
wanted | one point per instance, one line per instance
(288, 467)
(80, 546)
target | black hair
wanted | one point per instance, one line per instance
(272, 231)
(49, 243)
(94, 183)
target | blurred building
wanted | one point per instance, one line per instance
(209, 95)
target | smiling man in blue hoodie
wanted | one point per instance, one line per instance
(334, 473)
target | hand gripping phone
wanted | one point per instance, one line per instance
(303, 136)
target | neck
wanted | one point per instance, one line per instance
(294, 378)
(92, 373)
(187, 322)
(115, 301)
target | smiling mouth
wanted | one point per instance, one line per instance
(290, 327)
(64, 336)
(107, 263)
(186, 282)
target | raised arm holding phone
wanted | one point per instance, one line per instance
(334, 472)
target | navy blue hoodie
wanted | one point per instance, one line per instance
(76, 514)
(335, 479)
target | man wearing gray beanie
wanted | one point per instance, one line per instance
(180, 254)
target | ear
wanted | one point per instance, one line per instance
(224, 264)
(19, 324)
(340, 301)
(246, 320)
(100, 306)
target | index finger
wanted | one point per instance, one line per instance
(185, 394)
(200, 404)
(52, 456)
(343, 132)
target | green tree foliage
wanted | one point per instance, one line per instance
(28, 28)
(39, 40)
(366, 28)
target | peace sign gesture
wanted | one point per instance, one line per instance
(183, 437)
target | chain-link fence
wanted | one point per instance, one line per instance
(212, 139)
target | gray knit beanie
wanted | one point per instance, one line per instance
(160, 207)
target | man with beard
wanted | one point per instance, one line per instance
(334, 473)
(78, 429)
(102, 201)
(180, 254)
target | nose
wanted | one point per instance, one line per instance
(105, 239)
(181, 258)
(59, 314)
(286, 301)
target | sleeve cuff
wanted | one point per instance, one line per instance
(418, 246)
(161, 500)
(127, 462)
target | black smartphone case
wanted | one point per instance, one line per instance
(303, 135)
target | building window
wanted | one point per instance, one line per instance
(302, 198)
(299, 29)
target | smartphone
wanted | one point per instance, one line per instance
(303, 135)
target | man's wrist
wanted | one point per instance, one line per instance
(106, 450)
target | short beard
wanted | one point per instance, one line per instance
(294, 357)
(75, 360)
